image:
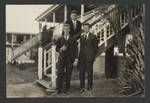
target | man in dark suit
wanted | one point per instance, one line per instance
(87, 55)
(75, 28)
(66, 47)
(44, 36)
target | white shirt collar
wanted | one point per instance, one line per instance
(87, 34)
(74, 21)
(66, 36)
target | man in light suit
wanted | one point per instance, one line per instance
(87, 55)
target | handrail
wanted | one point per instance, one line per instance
(25, 46)
(47, 59)
(48, 45)
(102, 16)
(28, 45)
(90, 14)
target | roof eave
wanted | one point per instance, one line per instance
(46, 12)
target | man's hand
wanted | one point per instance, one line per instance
(78, 41)
(75, 63)
(63, 48)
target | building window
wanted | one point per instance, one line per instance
(98, 37)
(27, 37)
(95, 29)
(108, 30)
(7, 51)
(111, 30)
(9, 38)
(122, 18)
(125, 18)
(133, 12)
(19, 39)
(102, 35)
(137, 10)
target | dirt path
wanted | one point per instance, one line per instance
(21, 83)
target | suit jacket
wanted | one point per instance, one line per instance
(44, 36)
(75, 33)
(69, 53)
(88, 47)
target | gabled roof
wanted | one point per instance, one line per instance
(59, 12)
(47, 12)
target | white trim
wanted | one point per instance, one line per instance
(53, 66)
(40, 56)
(65, 13)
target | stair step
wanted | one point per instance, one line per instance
(50, 90)
(44, 83)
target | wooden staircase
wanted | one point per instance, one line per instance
(33, 42)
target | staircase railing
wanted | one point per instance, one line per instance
(47, 58)
(25, 46)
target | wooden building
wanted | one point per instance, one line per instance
(14, 40)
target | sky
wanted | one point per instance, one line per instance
(21, 18)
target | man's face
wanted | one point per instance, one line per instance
(66, 30)
(74, 16)
(86, 28)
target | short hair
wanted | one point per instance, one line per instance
(74, 12)
(86, 24)
(66, 24)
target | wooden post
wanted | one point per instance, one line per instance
(120, 19)
(40, 34)
(40, 27)
(143, 16)
(40, 56)
(12, 40)
(82, 12)
(45, 21)
(54, 18)
(125, 17)
(65, 13)
(24, 38)
(105, 35)
(54, 66)
(30, 36)
(49, 58)
(44, 61)
(9, 54)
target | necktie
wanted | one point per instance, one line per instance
(86, 36)
(74, 25)
(66, 37)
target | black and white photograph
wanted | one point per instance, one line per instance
(66, 50)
